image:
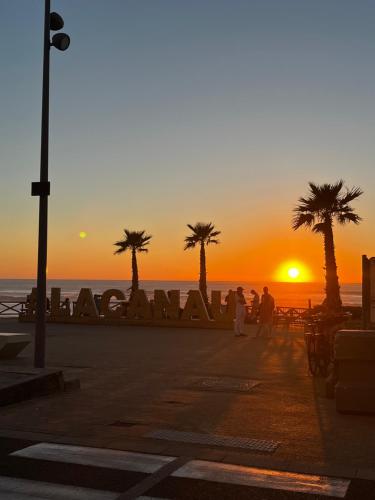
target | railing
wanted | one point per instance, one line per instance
(283, 316)
(12, 309)
(291, 316)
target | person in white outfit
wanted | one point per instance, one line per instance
(239, 324)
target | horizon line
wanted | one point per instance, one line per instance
(184, 280)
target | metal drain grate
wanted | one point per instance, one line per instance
(176, 403)
(223, 384)
(119, 423)
(215, 440)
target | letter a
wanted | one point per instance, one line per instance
(139, 306)
(85, 305)
(195, 307)
(166, 307)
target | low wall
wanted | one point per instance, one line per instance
(169, 323)
(354, 358)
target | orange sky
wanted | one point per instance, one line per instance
(249, 256)
(187, 112)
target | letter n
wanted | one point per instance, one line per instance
(139, 306)
(166, 306)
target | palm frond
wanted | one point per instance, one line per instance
(201, 232)
(135, 240)
(302, 219)
(319, 228)
(345, 218)
(190, 243)
(351, 194)
(326, 202)
(215, 233)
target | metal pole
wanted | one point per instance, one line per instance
(40, 323)
(366, 293)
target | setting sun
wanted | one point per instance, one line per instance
(293, 271)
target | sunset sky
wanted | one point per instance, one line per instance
(168, 112)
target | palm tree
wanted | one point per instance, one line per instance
(324, 205)
(202, 234)
(135, 241)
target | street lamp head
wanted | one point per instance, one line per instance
(61, 41)
(56, 21)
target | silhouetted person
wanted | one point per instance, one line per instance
(239, 324)
(267, 306)
(254, 305)
(227, 299)
(97, 300)
(66, 304)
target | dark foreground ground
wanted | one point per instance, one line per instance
(136, 381)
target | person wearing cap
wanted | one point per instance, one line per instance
(239, 324)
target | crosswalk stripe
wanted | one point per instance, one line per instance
(193, 469)
(25, 489)
(153, 479)
(99, 457)
(251, 476)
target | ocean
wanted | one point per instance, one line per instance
(285, 294)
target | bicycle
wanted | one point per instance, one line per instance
(319, 338)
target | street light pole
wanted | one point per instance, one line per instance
(42, 189)
(40, 320)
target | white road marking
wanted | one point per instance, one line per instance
(251, 476)
(12, 488)
(99, 457)
(194, 469)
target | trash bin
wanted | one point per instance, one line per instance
(354, 360)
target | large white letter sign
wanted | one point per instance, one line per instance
(195, 307)
(139, 306)
(105, 301)
(31, 303)
(166, 307)
(85, 305)
(58, 311)
(222, 312)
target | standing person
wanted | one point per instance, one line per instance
(254, 305)
(239, 325)
(228, 299)
(267, 306)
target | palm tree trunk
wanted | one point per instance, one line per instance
(135, 283)
(202, 275)
(333, 299)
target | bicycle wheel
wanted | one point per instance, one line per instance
(311, 353)
(323, 358)
(313, 363)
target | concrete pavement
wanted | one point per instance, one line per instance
(135, 380)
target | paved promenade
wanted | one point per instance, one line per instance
(136, 381)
